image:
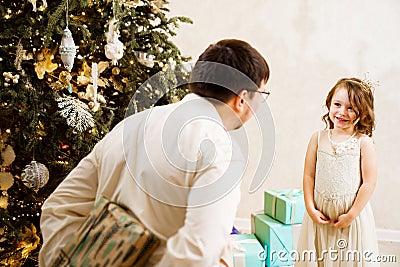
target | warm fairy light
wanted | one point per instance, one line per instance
(7, 16)
(83, 13)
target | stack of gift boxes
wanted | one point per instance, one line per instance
(271, 241)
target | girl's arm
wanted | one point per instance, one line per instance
(369, 176)
(308, 181)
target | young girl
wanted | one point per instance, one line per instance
(340, 174)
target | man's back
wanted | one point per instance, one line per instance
(151, 163)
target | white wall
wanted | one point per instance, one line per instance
(309, 45)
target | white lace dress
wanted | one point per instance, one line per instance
(337, 180)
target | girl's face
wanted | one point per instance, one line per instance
(341, 111)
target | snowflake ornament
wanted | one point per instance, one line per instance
(76, 112)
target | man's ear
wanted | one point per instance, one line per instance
(239, 102)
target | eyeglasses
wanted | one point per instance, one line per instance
(265, 93)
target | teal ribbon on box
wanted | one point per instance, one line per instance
(290, 196)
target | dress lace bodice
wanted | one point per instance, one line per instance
(337, 175)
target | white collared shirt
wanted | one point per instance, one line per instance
(174, 166)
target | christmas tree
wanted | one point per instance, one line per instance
(68, 72)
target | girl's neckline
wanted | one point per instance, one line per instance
(338, 143)
(340, 147)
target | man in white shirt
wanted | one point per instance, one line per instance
(175, 166)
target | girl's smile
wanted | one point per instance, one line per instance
(341, 111)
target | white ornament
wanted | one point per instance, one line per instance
(35, 175)
(67, 49)
(95, 74)
(76, 112)
(114, 49)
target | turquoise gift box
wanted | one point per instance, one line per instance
(276, 238)
(286, 206)
(247, 251)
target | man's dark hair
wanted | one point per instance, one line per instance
(226, 68)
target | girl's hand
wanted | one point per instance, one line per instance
(344, 221)
(318, 217)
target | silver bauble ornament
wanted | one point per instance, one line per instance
(67, 49)
(35, 175)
